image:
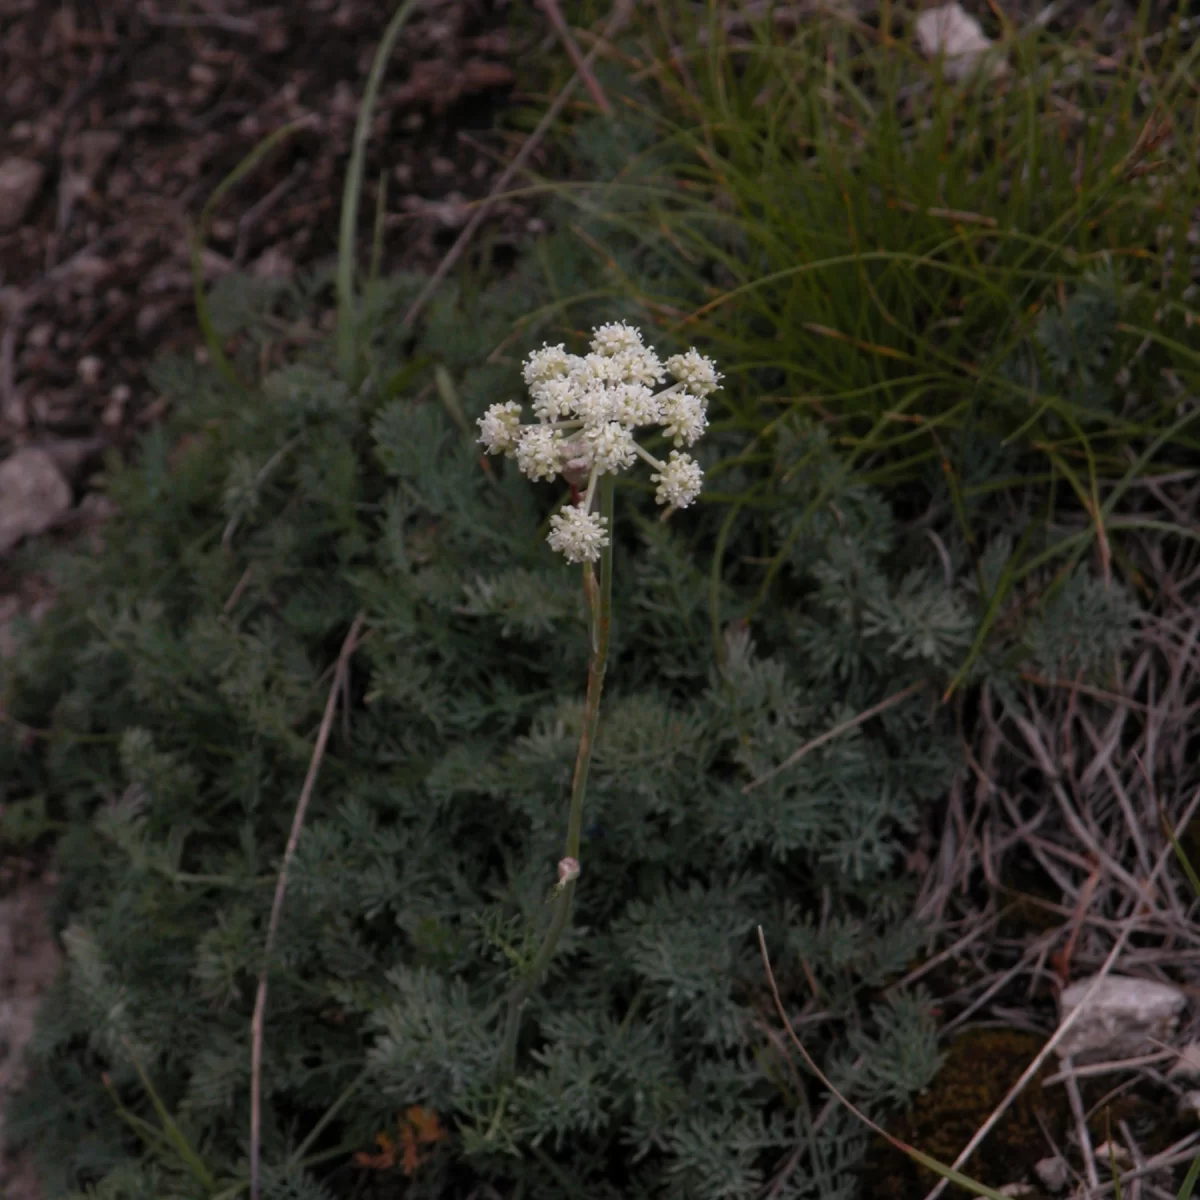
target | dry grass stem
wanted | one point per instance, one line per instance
(836, 732)
(260, 999)
(583, 67)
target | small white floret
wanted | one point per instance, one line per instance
(552, 398)
(639, 366)
(593, 405)
(679, 482)
(547, 363)
(634, 404)
(697, 373)
(684, 418)
(615, 337)
(540, 452)
(610, 447)
(578, 535)
(500, 427)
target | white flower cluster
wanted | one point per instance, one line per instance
(587, 409)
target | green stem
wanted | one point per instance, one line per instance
(599, 623)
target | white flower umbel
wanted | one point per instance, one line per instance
(577, 534)
(594, 405)
(679, 480)
(587, 408)
(552, 398)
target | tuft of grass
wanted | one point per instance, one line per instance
(981, 290)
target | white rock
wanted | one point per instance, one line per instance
(33, 495)
(1053, 1172)
(1119, 1018)
(948, 30)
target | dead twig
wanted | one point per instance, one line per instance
(210, 20)
(1081, 1126)
(582, 67)
(260, 999)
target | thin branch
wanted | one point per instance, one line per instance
(260, 999)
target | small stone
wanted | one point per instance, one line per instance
(272, 263)
(1120, 1019)
(150, 318)
(1053, 1172)
(950, 31)
(113, 414)
(40, 336)
(20, 181)
(33, 495)
(89, 369)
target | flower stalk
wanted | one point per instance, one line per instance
(599, 604)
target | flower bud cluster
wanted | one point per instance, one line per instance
(588, 408)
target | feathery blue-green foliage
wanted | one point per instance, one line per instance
(180, 681)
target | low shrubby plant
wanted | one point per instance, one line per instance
(175, 690)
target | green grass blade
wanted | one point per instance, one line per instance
(347, 331)
(1189, 1180)
(171, 1131)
